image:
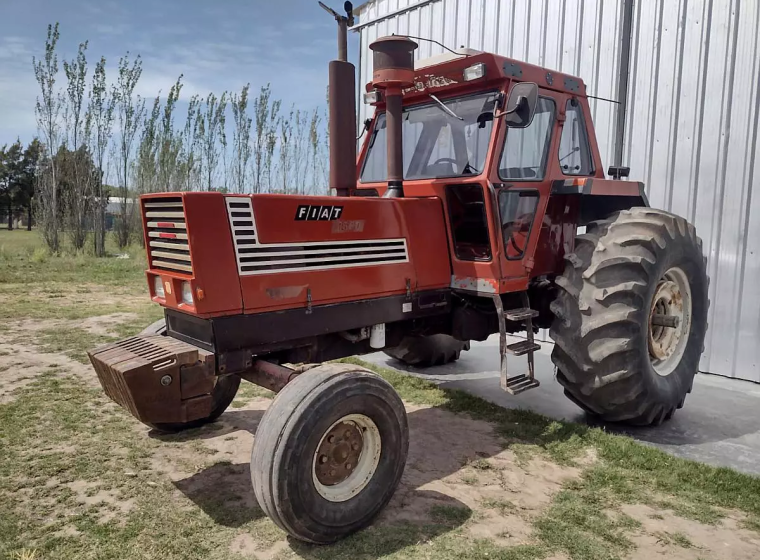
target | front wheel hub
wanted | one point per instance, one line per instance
(669, 321)
(346, 457)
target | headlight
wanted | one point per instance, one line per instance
(372, 97)
(158, 287)
(187, 293)
(474, 72)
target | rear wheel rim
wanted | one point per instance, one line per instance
(671, 302)
(346, 458)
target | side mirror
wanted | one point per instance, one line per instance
(521, 105)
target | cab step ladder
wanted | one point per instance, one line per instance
(518, 383)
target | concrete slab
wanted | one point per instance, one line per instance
(719, 425)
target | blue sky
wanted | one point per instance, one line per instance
(218, 45)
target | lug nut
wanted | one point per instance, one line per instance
(323, 459)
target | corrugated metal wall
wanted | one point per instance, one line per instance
(691, 124)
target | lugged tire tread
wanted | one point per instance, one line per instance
(600, 305)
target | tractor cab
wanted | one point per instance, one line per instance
(488, 136)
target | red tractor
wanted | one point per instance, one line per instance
(458, 220)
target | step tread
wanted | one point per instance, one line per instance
(520, 383)
(520, 314)
(522, 347)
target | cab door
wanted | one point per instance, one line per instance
(521, 180)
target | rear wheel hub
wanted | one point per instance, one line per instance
(669, 321)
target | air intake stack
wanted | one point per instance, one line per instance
(393, 70)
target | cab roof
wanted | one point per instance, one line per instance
(444, 73)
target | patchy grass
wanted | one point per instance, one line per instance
(504, 507)
(77, 480)
(83, 441)
(453, 515)
(23, 259)
(72, 342)
(625, 472)
(250, 391)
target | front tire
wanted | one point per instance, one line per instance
(329, 452)
(630, 274)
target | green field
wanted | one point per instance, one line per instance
(81, 479)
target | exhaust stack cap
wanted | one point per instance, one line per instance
(393, 62)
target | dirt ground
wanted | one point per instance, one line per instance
(461, 483)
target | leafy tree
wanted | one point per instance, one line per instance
(47, 110)
(241, 140)
(26, 180)
(10, 170)
(75, 174)
(129, 114)
(99, 129)
(210, 134)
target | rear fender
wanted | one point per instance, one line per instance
(601, 197)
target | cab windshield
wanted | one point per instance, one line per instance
(435, 143)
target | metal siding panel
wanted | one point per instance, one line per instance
(491, 25)
(747, 350)
(711, 187)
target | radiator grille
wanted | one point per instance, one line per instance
(254, 257)
(168, 248)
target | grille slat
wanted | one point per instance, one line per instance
(167, 231)
(254, 257)
(170, 244)
(165, 214)
(177, 225)
(177, 255)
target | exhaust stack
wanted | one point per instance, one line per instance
(393, 69)
(342, 109)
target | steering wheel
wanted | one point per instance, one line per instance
(519, 224)
(445, 160)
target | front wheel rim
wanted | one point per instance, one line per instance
(346, 458)
(669, 321)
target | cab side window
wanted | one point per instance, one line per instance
(526, 150)
(574, 151)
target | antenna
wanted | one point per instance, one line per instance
(344, 22)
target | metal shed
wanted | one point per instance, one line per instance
(686, 78)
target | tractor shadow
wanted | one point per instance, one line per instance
(441, 444)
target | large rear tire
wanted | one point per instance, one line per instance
(222, 396)
(329, 452)
(428, 351)
(629, 275)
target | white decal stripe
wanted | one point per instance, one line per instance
(313, 269)
(252, 256)
(317, 262)
(253, 251)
